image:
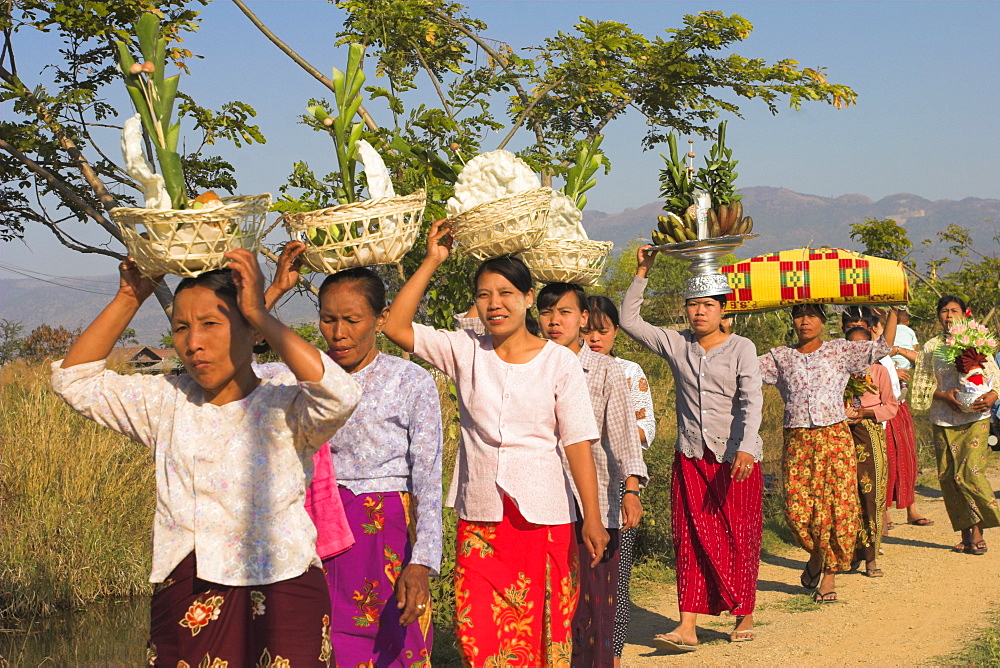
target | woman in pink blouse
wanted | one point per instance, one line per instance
(819, 461)
(234, 551)
(522, 400)
(867, 422)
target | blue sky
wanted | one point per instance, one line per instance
(926, 74)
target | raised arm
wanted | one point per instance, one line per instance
(302, 358)
(100, 337)
(286, 274)
(399, 325)
(654, 338)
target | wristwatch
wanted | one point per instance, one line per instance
(632, 491)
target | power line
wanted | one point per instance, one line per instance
(37, 276)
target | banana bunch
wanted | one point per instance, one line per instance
(728, 220)
(674, 229)
(723, 221)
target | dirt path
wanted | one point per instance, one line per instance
(930, 603)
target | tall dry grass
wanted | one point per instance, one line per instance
(76, 503)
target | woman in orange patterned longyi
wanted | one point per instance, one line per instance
(819, 460)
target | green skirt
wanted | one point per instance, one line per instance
(962, 460)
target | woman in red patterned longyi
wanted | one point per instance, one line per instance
(717, 482)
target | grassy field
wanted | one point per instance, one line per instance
(76, 504)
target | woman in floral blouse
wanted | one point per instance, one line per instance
(234, 557)
(819, 461)
(387, 459)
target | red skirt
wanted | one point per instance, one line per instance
(901, 455)
(516, 587)
(717, 527)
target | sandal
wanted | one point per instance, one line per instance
(890, 526)
(746, 635)
(922, 522)
(963, 548)
(979, 547)
(874, 572)
(809, 580)
(828, 597)
(672, 642)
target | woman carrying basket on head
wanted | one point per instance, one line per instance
(520, 399)
(234, 551)
(819, 460)
(387, 459)
(717, 485)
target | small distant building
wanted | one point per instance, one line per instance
(143, 359)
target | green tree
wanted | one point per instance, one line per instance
(564, 92)
(955, 265)
(10, 340)
(49, 146)
(129, 336)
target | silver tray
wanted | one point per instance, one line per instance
(704, 254)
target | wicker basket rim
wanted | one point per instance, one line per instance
(416, 199)
(549, 244)
(228, 204)
(534, 193)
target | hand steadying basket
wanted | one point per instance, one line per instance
(579, 261)
(189, 242)
(503, 226)
(359, 234)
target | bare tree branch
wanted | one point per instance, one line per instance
(527, 110)
(66, 192)
(437, 87)
(300, 61)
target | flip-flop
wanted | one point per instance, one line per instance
(874, 572)
(979, 547)
(825, 598)
(746, 635)
(672, 642)
(922, 522)
(808, 580)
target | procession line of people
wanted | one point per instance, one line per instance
(299, 504)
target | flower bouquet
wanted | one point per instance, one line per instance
(858, 385)
(967, 346)
(172, 234)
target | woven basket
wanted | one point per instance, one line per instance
(503, 226)
(189, 242)
(819, 275)
(358, 234)
(579, 261)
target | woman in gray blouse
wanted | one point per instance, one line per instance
(717, 484)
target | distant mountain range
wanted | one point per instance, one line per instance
(786, 219)
(783, 219)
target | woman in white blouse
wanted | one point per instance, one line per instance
(234, 559)
(602, 329)
(521, 399)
